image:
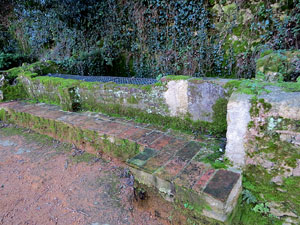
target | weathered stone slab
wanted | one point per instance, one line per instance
(141, 159)
(222, 184)
(189, 151)
(284, 104)
(171, 169)
(191, 174)
(157, 161)
(149, 138)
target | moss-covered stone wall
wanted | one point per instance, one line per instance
(271, 157)
(179, 102)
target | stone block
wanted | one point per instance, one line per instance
(238, 117)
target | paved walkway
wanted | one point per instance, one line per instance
(166, 161)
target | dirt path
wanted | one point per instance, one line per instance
(45, 182)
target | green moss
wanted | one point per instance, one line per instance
(147, 88)
(258, 106)
(186, 124)
(232, 86)
(245, 215)
(85, 157)
(284, 124)
(177, 77)
(219, 124)
(57, 82)
(119, 148)
(64, 92)
(20, 91)
(132, 100)
(14, 92)
(192, 205)
(281, 152)
(89, 85)
(258, 181)
(213, 146)
(289, 86)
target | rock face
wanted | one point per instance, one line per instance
(238, 117)
(276, 66)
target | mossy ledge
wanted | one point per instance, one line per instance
(82, 138)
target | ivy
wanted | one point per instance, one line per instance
(141, 38)
(150, 37)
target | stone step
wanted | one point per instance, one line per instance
(171, 163)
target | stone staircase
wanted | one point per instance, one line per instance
(172, 163)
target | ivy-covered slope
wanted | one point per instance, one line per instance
(150, 37)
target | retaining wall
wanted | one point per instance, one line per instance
(192, 98)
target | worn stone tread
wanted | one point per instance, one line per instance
(221, 184)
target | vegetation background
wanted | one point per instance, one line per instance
(147, 38)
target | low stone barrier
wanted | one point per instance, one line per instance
(180, 102)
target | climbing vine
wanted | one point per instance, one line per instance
(151, 38)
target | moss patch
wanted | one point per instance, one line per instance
(176, 77)
(219, 124)
(258, 181)
(186, 124)
(14, 92)
(85, 157)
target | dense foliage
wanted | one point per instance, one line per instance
(150, 37)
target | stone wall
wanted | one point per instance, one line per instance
(263, 138)
(193, 98)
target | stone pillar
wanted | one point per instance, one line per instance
(238, 117)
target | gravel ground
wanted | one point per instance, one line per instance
(43, 181)
(117, 80)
